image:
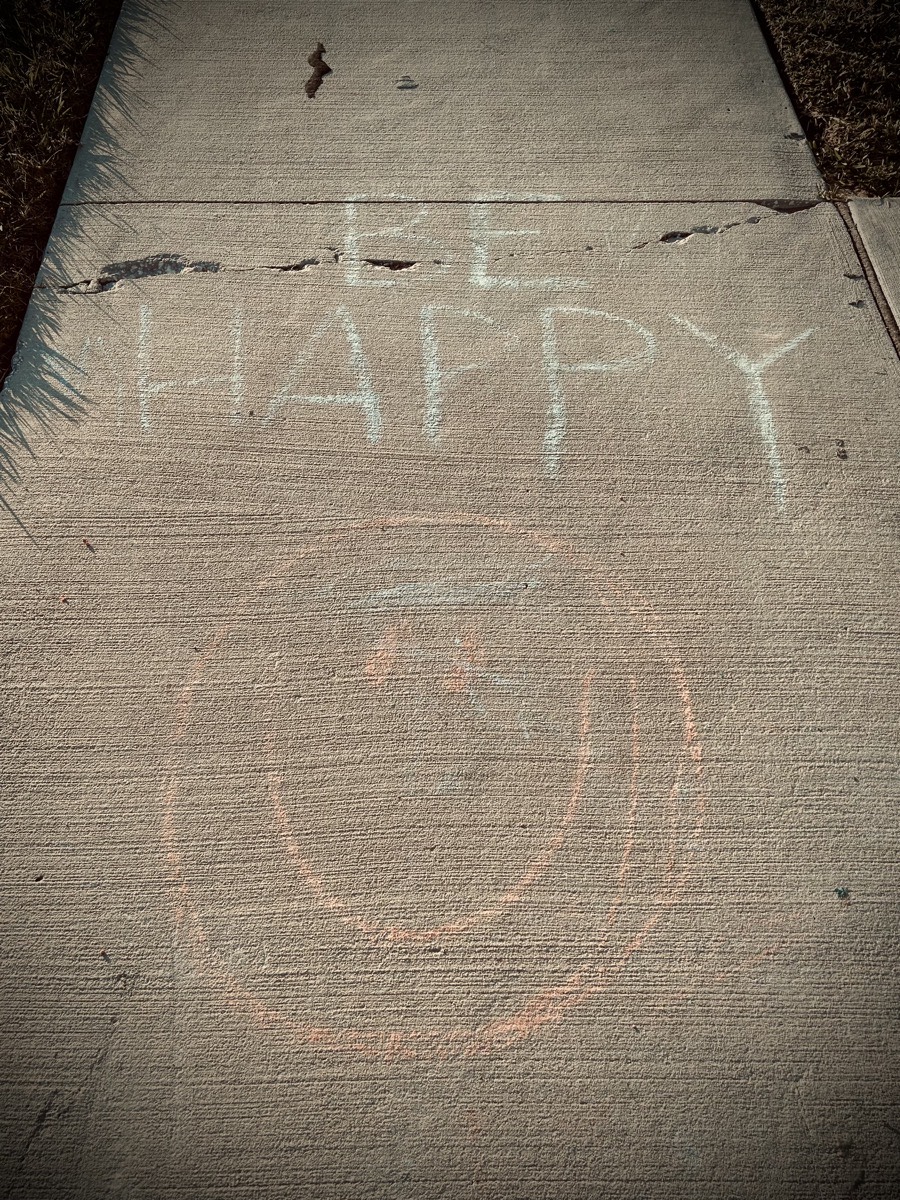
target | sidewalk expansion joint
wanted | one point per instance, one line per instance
(783, 205)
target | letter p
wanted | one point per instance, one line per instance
(555, 369)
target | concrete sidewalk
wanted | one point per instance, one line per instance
(449, 612)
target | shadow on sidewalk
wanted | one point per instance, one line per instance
(45, 388)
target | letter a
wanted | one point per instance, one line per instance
(364, 396)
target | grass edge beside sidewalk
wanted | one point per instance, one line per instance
(51, 56)
(840, 63)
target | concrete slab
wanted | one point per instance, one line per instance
(878, 222)
(582, 99)
(450, 691)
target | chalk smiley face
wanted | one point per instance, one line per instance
(563, 821)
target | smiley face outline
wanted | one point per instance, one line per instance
(552, 1004)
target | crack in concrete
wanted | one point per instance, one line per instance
(112, 275)
(788, 206)
(676, 236)
(110, 278)
(37, 1125)
(53, 1110)
(303, 265)
(392, 264)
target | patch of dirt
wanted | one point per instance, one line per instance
(51, 53)
(841, 62)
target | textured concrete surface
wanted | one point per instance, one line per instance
(878, 222)
(449, 679)
(587, 99)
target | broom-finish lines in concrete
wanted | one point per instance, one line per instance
(449, 641)
(664, 100)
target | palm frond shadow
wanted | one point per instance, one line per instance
(45, 390)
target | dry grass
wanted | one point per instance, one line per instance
(51, 52)
(842, 61)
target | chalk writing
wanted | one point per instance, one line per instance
(364, 396)
(756, 394)
(435, 374)
(149, 389)
(406, 231)
(381, 661)
(555, 368)
(482, 235)
(469, 671)
(557, 326)
(444, 592)
(624, 925)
